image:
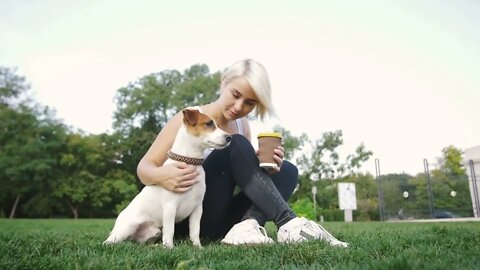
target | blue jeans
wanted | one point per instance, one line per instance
(259, 195)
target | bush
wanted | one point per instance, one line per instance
(331, 214)
(303, 208)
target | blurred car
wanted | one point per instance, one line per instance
(444, 214)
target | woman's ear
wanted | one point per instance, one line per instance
(223, 83)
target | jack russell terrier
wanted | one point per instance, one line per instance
(155, 210)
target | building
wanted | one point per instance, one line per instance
(472, 168)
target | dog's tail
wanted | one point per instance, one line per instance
(114, 238)
(120, 232)
(126, 229)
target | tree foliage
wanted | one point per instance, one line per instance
(47, 169)
(291, 144)
(145, 106)
(322, 161)
(13, 88)
(452, 161)
(28, 140)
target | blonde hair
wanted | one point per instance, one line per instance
(257, 77)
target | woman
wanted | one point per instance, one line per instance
(237, 217)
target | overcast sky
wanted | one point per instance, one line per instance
(400, 76)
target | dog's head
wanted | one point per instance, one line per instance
(201, 127)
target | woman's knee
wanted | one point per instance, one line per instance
(286, 180)
(240, 144)
(240, 140)
(290, 170)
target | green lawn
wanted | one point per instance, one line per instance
(76, 244)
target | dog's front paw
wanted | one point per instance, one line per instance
(197, 244)
(168, 244)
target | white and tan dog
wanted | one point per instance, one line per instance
(155, 210)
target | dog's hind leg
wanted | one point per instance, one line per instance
(145, 232)
(194, 223)
(121, 231)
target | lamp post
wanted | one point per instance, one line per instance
(314, 192)
(401, 214)
(429, 184)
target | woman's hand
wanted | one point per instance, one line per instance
(180, 177)
(278, 156)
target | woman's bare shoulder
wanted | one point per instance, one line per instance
(164, 140)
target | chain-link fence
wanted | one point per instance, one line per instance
(431, 194)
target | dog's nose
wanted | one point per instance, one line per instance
(228, 138)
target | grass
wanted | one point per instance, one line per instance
(76, 244)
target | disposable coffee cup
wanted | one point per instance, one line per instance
(267, 142)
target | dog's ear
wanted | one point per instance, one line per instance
(190, 116)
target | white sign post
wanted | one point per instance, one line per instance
(347, 199)
(314, 192)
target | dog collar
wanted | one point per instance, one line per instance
(188, 160)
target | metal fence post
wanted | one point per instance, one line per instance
(474, 187)
(429, 184)
(380, 190)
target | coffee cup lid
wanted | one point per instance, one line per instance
(270, 134)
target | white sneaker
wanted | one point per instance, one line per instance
(247, 232)
(302, 229)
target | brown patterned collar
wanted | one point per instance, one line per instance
(188, 160)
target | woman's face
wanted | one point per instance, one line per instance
(238, 98)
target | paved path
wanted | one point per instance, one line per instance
(438, 220)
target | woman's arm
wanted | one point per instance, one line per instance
(177, 177)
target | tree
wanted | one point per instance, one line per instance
(49, 144)
(451, 177)
(92, 175)
(16, 168)
(451, 162)
(13, 88)
(367, 196)
(320, 165)
(393, 186)
(322, 160)
(291, 144)
(354, 161)
(25, 159)
(145, 106)
(314, 164)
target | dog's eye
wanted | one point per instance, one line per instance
(210, 124)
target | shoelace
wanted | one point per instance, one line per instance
(324, 234)
(317, 227)
(258, 228)
(262, 230)
(304, 223)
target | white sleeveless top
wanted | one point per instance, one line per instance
(207, 152)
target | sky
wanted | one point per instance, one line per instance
(401, 77)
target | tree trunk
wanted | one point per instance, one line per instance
(14, 208)
(73, 209)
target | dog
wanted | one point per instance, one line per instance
(155, 210)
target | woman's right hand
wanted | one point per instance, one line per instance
(180, 177)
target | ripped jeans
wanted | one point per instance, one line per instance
(260, 196)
